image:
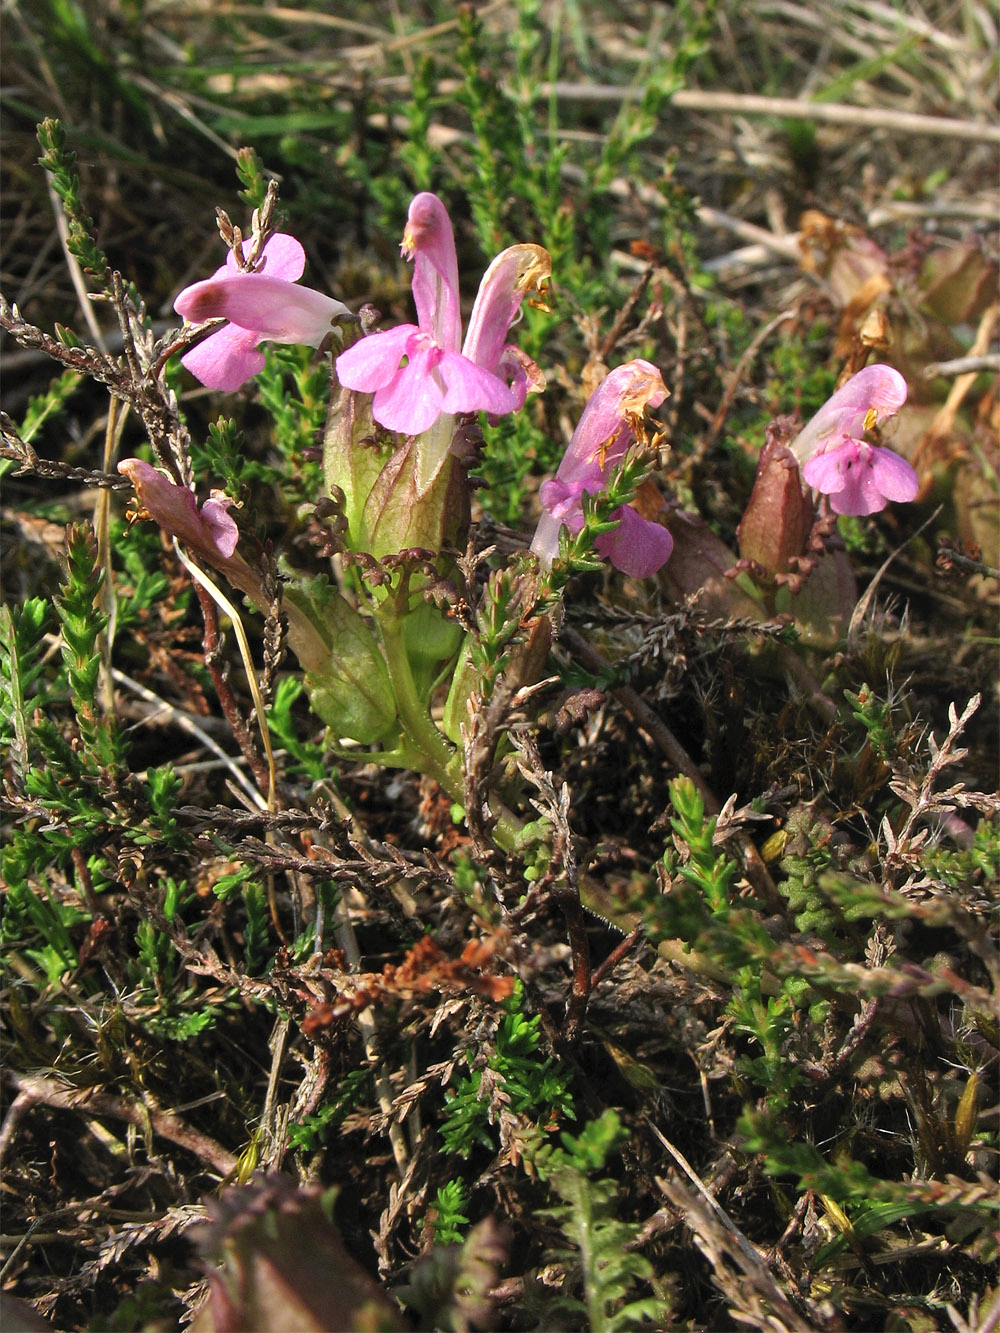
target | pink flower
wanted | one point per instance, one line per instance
(209, 531)
(859, 477)
(264, 306)
(606, 430)
(418, 372)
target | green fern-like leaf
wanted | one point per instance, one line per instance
(588, 1218)
(538, 1089)
(450, 1220)
(255, 932)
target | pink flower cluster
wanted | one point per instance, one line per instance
(264, 306)
(417, 372)
(607, 428)
(859, 478)
(420, 375)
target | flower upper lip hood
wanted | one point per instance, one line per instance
(606, 429)
(264, 306)
(858, 477)
(865, 400)
(417, 372)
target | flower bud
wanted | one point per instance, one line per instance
(779, 516)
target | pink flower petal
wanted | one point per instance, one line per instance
(603, 432)
(429, 240)
(261, 306)
(225, 360)
(828, 472)
(277, 310)
(374, 360)
(437, 378)
(560, 495)
(878, 389)
(411, 402)
(518, 370)
(545, 543)
(896, 479)
(283, 257)
(638, 546)
(564, 500)
(860, 496)
(860, 478)
(470, 388)
(219, 526)
(511, 275)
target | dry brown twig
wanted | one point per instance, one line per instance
(644, 716)
(755, 1297)
(552, 804)
(40, 1091)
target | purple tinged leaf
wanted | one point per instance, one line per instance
(825, 601)
(779, 515)
(699, 566)
(398, 515)
(279, 1263)
(352, 457)
(958, 282)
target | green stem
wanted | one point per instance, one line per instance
(434, 754)
(423, 747)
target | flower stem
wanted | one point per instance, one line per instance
(422, 746)
(432, 752)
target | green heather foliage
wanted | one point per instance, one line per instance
(533, 1089)
(58, 161)
(449, 1219)
(416, 937)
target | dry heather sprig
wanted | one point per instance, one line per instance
(917, 790)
